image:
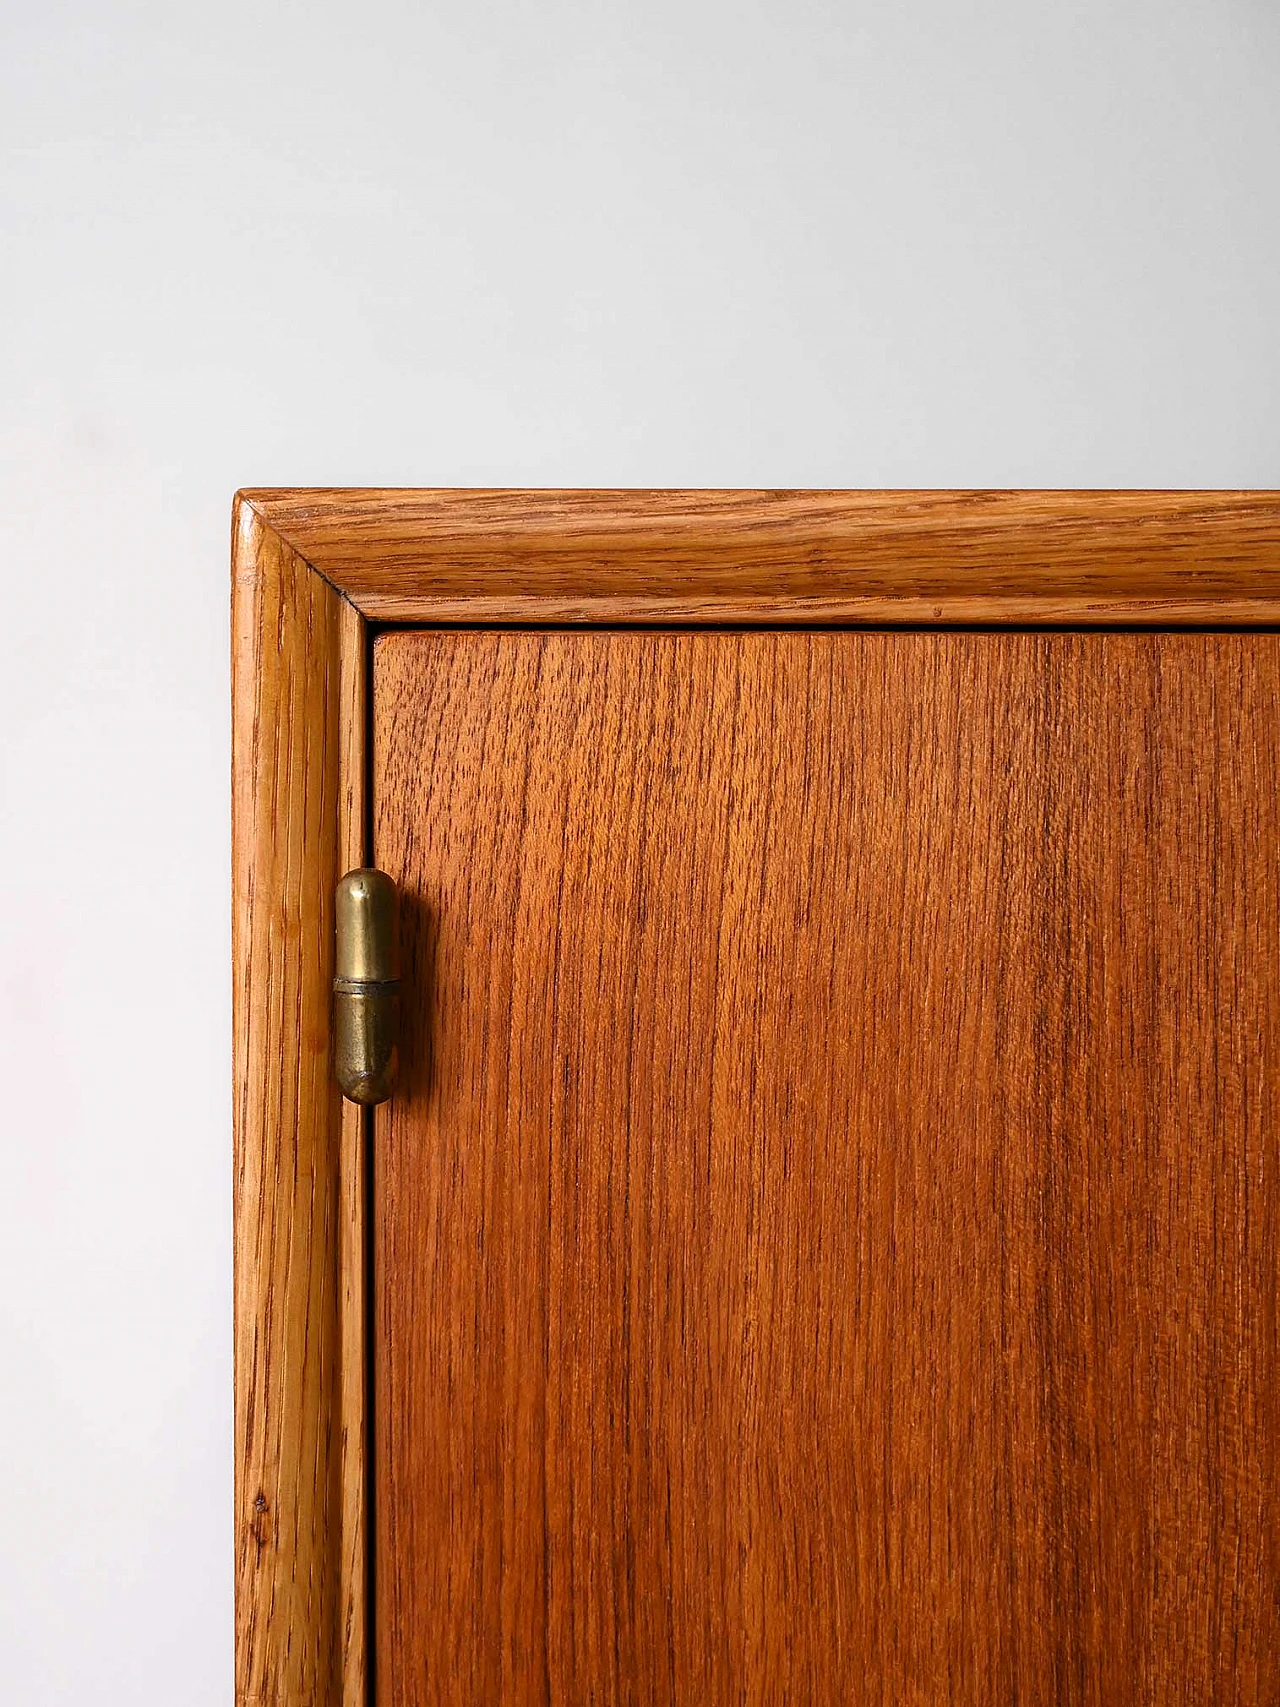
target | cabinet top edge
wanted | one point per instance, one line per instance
(628, 554)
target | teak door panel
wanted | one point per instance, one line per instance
(825, 1241)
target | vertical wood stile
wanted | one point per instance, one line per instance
(352, 1254)
(298, 815)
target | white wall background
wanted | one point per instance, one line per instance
(983, 243)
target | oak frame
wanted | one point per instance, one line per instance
(312, 571)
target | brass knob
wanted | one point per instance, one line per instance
(366, 986)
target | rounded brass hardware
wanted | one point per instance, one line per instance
(366, 986)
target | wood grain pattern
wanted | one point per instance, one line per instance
(353, 1248)
(298, 822)
(826, 1246)
(793, 558)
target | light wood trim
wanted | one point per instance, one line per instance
(352, 1226)
(300, 1438)
(792, 558)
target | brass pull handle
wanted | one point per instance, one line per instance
(366, 987)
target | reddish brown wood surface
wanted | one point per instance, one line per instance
(826, 1245)
(792, 558)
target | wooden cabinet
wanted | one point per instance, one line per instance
(823, 1246)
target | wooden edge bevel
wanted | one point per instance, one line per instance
(299, 662)
(353, 1233)
(1024, 558)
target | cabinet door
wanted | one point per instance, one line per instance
(825, 1244)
